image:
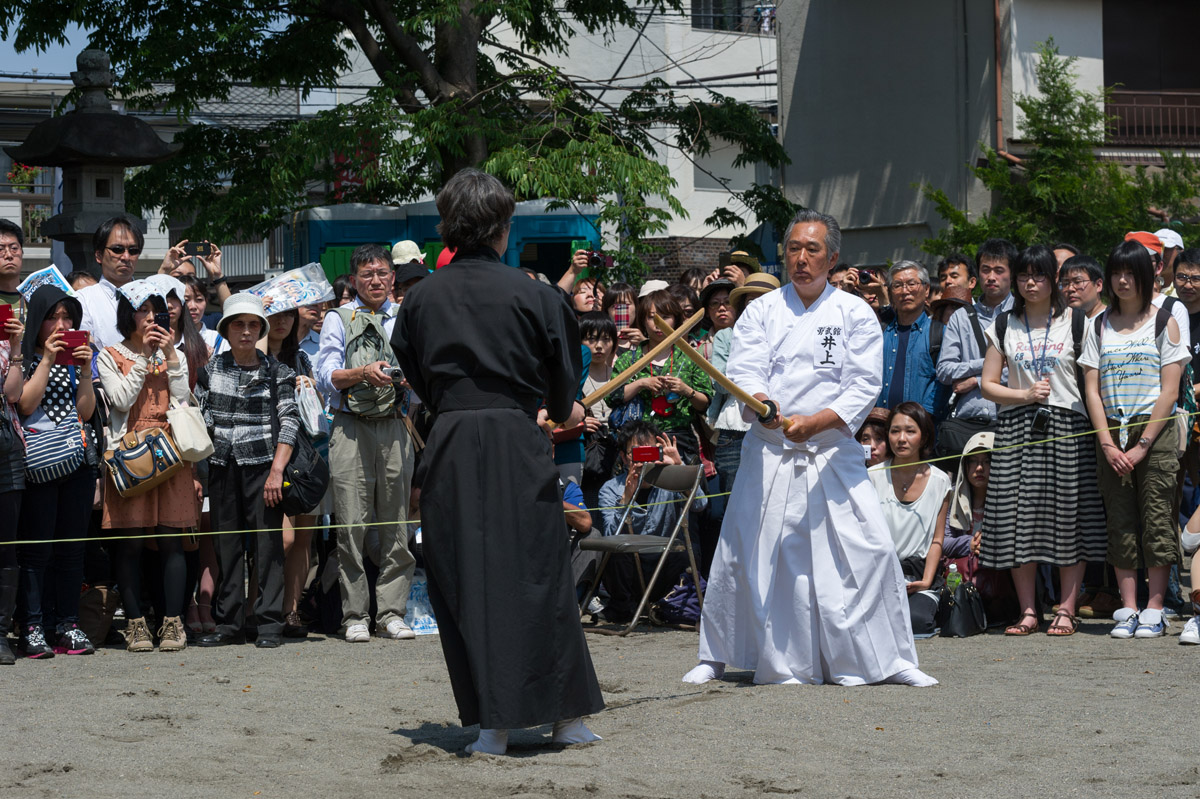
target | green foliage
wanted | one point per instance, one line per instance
(449, 95)
(1061, 192)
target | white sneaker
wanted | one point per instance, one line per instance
(396, 628)
(1190, 541)
(357, 634)
(1191, 631)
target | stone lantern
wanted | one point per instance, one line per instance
(93, 144)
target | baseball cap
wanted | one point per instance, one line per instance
(1148, 240)
(1169, 238)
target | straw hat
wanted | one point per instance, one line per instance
(237, 305)
(756, 285)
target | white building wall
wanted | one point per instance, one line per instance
(1078, 30)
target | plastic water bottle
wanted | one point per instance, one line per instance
(953, 578)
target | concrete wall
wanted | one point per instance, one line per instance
(670, 48)
(1078, 30)
(876, 96)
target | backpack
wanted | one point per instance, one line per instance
(937, 330)
(1078, 324)
(366, 343)
(1186, 402)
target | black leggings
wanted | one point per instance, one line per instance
(128, 570)
(10, 514)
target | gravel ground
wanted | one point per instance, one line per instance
(1080, 716)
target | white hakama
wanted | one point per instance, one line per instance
(805, 586)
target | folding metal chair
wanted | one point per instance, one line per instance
(669, 477)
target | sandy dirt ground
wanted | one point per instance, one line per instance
(1081, 716)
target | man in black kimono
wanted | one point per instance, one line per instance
(484, 346)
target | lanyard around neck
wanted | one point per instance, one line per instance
(1040, 362)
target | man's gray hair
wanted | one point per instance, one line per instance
(833, 231)
(900, 266)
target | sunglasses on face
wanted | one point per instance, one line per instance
(120, 249)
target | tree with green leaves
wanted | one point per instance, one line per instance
(450, 94)
(1061, 191)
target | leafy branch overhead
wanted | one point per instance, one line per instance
(446, 93)
(1061, 191)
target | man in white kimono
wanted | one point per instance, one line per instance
(805, 587)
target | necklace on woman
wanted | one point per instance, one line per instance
(912, 478)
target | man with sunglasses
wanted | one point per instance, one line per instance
(117, 244)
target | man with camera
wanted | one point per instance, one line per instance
(370, 451)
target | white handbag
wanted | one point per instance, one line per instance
(189, 431)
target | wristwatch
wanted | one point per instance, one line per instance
(1145, 442)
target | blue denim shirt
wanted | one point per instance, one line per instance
(920, 376)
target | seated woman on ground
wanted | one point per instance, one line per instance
(657, 516)
(873, 435)
(916, 498)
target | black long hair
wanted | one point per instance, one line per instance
(1134, 256)
(289, 348)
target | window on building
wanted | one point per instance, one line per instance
(736, 16)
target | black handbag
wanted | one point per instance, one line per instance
(964, 615)
(953, 434)
(599, 456)
(306, 476)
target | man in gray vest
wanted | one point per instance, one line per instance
(370, 451)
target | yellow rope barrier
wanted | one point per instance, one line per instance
(610, 507)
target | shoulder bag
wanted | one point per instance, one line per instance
(143, 460)
(189, 431)
(56, 451)
(306, 476)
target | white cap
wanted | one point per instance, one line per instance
(242, 303)
(405, 252)
(652, 285)
(1169, 238)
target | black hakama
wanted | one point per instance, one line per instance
(482, 344)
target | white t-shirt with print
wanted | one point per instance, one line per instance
(1053, 352)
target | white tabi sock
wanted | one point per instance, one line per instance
(707, 670)
(573, 731)
(914, 677)
(491, 742)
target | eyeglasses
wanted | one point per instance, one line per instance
(15, 249)
(382, 274)
(1187, 280)
(119, 249)
(714, 304)
(1077, 283)
(1025, 278)
(908, 285)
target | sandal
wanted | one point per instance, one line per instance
(1059, 629)
(1022, 628)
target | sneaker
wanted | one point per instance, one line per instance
(1190, 540)
(1151, 624)
(595, 607)
(1127, 622)
(137, 636)
(1191, 631)
(357, 634)
(171, 636)
(33, 643)
(73, 641)
(398, 629)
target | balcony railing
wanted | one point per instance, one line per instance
(1154, 119)
(36, 207)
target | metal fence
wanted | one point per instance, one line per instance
(759, 20)
(1154, 119)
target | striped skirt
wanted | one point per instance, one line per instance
(1043, 501)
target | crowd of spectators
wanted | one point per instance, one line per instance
(1032, 429)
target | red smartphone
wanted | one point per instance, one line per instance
(5, 313)
(646, 454)
(622, 314)
(71, 341)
